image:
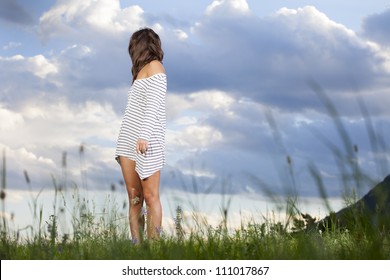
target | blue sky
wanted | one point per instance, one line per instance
(244, 92)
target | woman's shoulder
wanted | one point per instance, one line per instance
(155, 67)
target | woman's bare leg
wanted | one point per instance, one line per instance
(136, 198)
(151, 191)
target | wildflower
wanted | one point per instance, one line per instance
(135, 200)
(159, 231)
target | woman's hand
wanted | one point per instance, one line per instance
(141, 146)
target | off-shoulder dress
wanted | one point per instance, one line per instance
(144, 118)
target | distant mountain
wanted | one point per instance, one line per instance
(372, 210)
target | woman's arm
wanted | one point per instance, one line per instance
(155, 96)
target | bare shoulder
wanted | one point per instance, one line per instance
(155, 67)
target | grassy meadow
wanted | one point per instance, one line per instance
(106, 237)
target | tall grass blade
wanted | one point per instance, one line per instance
(382, 166)
(2, 191)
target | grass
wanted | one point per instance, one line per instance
(105, 237)
(265, 241)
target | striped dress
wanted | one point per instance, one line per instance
(144, 118)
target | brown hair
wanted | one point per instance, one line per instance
(144, 47)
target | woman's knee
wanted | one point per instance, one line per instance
(150, 188)
(151, 197)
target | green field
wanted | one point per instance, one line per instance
(96, 238)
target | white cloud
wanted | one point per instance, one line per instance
(202, 103)
(199, 173)
(10, 119)
(36, 136)
(176, 104)
(24, 78)
(180, 34)
(77, 51)
(83, 17)
(11, 45)
(193, 138)
(185, 120)
(309, 19)
(282, 52)
(188, 132)
(64, 124)
(211, 99)
(28, 156)
(42, 67)
(37, 65)
(227, 7)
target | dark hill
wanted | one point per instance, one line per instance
(372, 210)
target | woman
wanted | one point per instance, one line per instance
(141, 143)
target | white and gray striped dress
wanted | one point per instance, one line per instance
(145, 118)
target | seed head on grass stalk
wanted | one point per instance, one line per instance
(83, 172)
(179, 223)
(64, 183)
(33, 204)
(226, 187)
(3, 193)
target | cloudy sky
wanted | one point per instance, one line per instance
(263, 96)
